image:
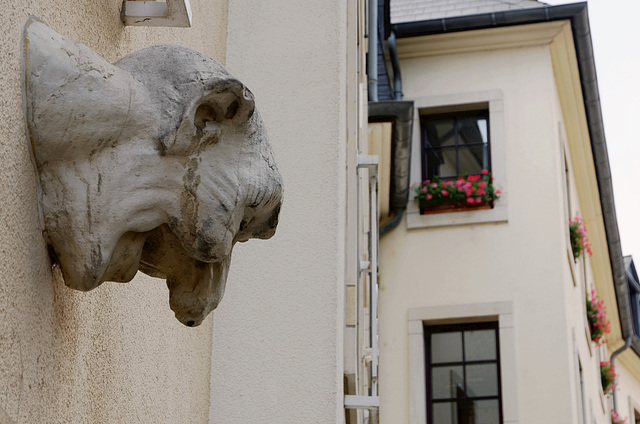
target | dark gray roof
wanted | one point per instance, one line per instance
(424, 10)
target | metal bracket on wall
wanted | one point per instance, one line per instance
(169, 13)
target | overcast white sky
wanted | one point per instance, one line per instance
(615, 33)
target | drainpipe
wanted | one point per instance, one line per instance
(395, 64)
(397, 93)
(613, 358)
(372, 57)
(397, 219)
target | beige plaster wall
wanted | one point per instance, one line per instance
(116, 354)
(628, 392)
(278, 342)
(521, 261)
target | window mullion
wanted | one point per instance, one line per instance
(456, 144)
(465, 402)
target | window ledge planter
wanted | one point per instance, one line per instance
(466, 193)
(608, 377)
(449, 206)
(579, 240)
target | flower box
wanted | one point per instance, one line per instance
(449, 206)
(465, 193)
(608, 377)
(617, 418)
(599, 325)
(579, 240)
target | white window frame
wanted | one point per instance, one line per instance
(502, 312)
(434, 104)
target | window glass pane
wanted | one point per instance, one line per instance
(480, 345)
(482, 380)
(440, 133)
(447, 382)
(465, 133)
(472, 160)
(483, 127)
(442, 162)
(445, 413)
(485, 412)
(446, 347)
(472, 130)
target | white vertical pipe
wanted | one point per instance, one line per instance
(374, 284)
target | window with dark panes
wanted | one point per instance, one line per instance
(634, 293)
(455, 144)
(463, 374)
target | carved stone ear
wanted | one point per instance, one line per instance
(230, 100)
(227, 103)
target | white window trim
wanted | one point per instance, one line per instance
(499, 213)
(633, 406)
(453, 314)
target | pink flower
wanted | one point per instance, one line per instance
(484, 172)
(498, 192)
(429, 197)
(470, 200)
(445, 193)
(424, 189)
(482, 184)
(478, 199)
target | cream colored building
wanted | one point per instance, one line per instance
(449, 278)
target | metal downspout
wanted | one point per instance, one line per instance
(397, 93)
(395, 65)
(613, 358)
(397, 219)
(372, 55)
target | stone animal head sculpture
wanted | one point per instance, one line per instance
(158, 163)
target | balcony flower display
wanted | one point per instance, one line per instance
(579, 241)
(465, 192)
(597, 317)
(608, 377)
(616, 418)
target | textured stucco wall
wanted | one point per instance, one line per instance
(116, 354)
(521, 261)
(277, 348)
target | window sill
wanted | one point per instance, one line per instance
(499, 213)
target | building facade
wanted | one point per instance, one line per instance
(482, 310)
(362, 308)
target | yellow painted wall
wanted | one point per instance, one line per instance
(115, 354)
